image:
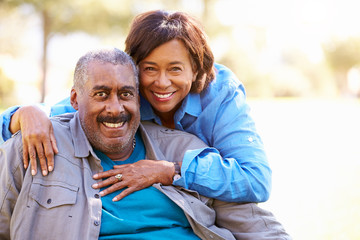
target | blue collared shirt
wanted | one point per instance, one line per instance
(236, 169)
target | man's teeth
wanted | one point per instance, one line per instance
(113, 125)
(163, 95)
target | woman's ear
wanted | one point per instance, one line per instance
(73, 99)
(194, 76)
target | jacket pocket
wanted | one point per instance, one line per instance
(51, 194)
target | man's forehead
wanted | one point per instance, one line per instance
(104, 73)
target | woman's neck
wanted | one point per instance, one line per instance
(167, 119)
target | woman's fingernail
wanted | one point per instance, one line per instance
(50, 168)
(95, 185)
(95, 176)
(33, 172)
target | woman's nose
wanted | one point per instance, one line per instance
(163, 81)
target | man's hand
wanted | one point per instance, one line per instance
(37, 137)
(136, 176)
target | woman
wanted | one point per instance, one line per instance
(183, 89)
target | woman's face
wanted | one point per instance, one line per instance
(166, 76)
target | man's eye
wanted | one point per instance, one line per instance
(127, 94)
(101, 94)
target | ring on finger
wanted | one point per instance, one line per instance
(118, 176)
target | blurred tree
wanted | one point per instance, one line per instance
(6, 89)
(10, 25)
(341, 56)
(66, 16)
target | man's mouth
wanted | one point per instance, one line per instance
(163, 96)
(114, 125)
(114, 122)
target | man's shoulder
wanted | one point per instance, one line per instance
(155, 130)
(61, 124)
(167, 136)
(15, 142)
(62, 120)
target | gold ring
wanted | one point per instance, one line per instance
(118, 176)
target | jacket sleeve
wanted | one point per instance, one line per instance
(248, 221)
(11, 178)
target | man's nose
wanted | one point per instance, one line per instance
(114, 106)
(163, 81)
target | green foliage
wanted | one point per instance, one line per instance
(342, 54)
(66, 16)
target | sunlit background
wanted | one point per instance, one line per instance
(299, 61)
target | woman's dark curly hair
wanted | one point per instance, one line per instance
(154, 28)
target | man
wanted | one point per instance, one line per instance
(106, 131)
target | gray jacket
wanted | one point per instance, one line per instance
(63, 205)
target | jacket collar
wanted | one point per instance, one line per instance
(82, 147)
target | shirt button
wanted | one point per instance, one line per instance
(96, 223)
(250, 139)
(48, 201)
(97, 195)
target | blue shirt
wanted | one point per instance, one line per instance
(144, 214)
(238, 170)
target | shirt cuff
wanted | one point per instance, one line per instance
(5, 119)
(190, 158)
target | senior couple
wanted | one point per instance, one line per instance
(117, 178)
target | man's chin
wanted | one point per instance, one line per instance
(113, 146)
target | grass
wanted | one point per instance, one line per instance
(313, 149)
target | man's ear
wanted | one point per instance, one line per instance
(73, 99)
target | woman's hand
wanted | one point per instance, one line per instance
(136, 176)
(37, 137)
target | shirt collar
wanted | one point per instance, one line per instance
(191, 105)
(146, 110)
(82, 148)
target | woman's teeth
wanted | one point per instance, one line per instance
(163, 95)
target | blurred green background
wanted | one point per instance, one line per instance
(299, 61)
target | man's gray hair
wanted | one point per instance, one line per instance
(114, 56)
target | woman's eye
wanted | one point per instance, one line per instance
(175, 69)
(149, 69)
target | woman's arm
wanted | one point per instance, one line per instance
(5, 118)
(37, 133)
(237, 169)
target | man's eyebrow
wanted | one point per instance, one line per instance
(107, 88)
(129, 88)
(101, 87)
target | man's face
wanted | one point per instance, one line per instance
(109, 109)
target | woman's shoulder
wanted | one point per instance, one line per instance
(225, 79)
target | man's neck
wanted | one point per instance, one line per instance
(121, 156)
